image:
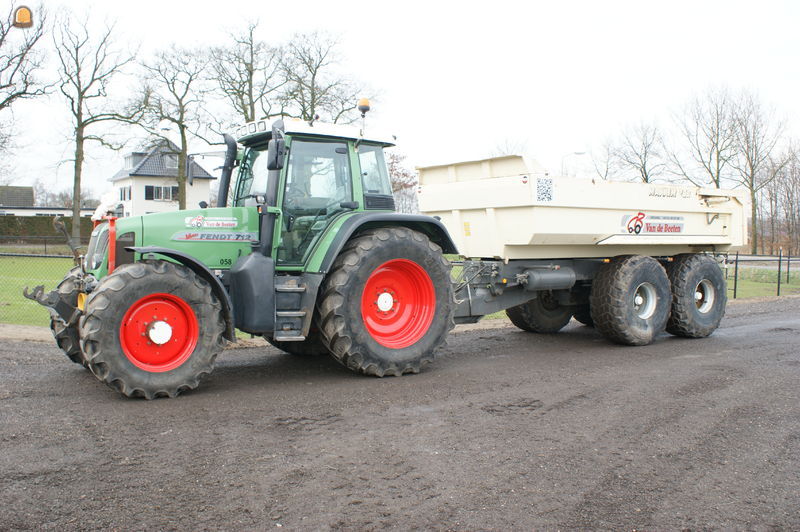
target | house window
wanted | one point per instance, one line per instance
(152, 192)
(170, 160)
(124, 193)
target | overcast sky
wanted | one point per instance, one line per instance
(456, 79)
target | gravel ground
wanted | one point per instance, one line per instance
(506, 430)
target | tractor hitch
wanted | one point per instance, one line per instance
(59, 309)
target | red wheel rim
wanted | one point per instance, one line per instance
(398, 303)
(159, 332)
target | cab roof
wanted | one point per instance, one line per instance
(254, 132)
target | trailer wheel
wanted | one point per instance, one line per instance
(630, 300)
(699, 296)
(152, 329)
(311, 346)
(387, 303)
(583, 314)
(67, 336)
(541, 315)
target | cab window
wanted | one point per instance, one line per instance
(374, 176)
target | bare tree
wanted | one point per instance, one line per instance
(757, 164)
(708, 129)
(404, 183)
(249, 74)
(509, 146)
(313, 85)
(86, 66)
(21, 61)
(790, 202)
(174, 95)
(605, 160)
(641, 151)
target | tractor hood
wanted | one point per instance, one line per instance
(215, 236)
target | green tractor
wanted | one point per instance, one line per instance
(310, 255)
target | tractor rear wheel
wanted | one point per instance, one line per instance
(152, 329)
(67, 336)
(311, 346)
(699, 296)
(630, 300)
(542, 315)
(387, 303)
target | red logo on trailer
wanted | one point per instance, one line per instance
(636, 223)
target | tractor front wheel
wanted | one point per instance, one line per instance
(67, 336)
(152, 329)
(387, 303)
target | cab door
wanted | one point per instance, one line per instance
(318, 181)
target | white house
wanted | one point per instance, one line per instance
(148, 182)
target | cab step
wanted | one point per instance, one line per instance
(291, 313)
(288, 338)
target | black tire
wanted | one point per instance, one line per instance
(542, 315)
(342, 322)
(689, 275)
(124, 290)
(614, 307)
(311, 346)
(583, 314)
(67, 336)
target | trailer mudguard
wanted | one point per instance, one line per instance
(200, 269)
(429, 226)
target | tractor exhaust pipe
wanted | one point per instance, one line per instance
(227, 170)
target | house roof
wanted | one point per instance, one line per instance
(152, 165)
(16, 196)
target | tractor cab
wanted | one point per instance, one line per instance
(312, 174)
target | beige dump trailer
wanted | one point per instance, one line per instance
(632, 259)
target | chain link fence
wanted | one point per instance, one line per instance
(20, 271)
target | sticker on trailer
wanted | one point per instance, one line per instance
(210, 223)
(544, 189)
(216, 236)
(642, 223)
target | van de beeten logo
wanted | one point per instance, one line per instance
(211, 223)
(642, 223)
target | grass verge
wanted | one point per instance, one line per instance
(19, 272)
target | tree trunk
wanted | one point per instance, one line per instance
(182, 157)
(76, 186)
(754, 221)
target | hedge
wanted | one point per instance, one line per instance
(38, 226)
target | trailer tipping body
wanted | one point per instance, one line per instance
(508, 208)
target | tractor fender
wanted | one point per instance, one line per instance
(202, 270)
(429, 226)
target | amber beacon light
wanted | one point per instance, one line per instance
(23, 17)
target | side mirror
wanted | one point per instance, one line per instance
(276, 152)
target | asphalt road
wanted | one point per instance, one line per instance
(506, 430)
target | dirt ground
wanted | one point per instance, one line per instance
(506, 430)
